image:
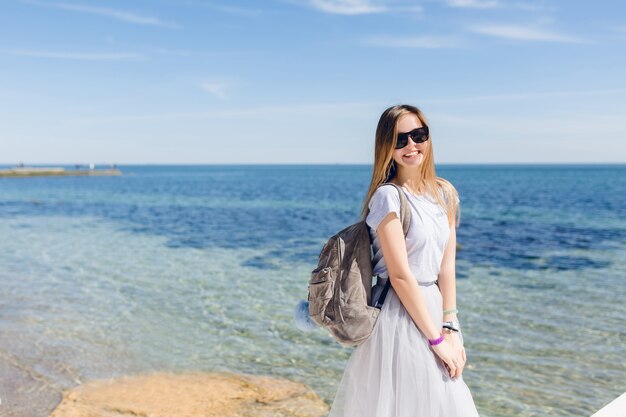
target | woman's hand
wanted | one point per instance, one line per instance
(458, 351)
(448, 353)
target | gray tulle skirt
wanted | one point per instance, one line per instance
(395, 372)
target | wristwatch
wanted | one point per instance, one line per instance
(452, 325)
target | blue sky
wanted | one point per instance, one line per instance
(305, 81)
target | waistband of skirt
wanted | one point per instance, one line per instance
(383, 280)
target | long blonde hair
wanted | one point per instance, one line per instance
(385, 167)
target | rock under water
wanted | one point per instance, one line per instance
(191, 394)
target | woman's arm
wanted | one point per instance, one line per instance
(447, 286)
(447, 275)
(392, 242)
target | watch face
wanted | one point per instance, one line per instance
(451, 325)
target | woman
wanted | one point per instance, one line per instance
(410, 366)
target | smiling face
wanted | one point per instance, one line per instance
(413, 154)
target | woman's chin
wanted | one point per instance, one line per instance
(412, 162)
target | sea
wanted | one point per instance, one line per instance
(199, 268)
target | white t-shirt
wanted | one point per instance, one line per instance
(427, 237)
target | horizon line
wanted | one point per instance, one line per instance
(108, 164)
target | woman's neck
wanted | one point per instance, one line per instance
(412, 181)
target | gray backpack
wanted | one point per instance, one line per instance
(341, 297)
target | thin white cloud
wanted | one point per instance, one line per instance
(426, 42)
(216, 89)
(81, 56)
(147, 52)
(532, 95)
(359, 7)
(224, 8)
(260, 111)
(152, 50)
(524, 33)
(416, 8)
(346, 7)
(174, 52)
(103, 11)
(621, 29)
(473, 4)
(533, 7)
(241, 11)
(348, 107)
(345, 107)
(591, 125)
(498, 4)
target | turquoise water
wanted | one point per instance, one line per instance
(176, 268)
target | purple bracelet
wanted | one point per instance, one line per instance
(434, 342)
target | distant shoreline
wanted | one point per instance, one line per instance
(54, 171)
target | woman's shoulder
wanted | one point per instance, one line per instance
(384, 200)
(444, 184)
(447, 190)
(387, 188)
(386, 191)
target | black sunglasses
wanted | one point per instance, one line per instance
(418, 135)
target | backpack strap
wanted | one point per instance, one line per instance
(405, 217)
